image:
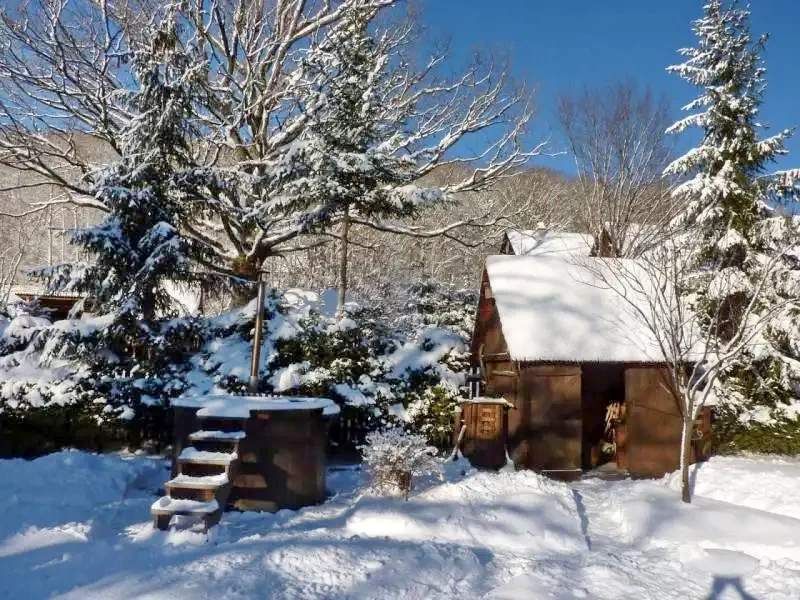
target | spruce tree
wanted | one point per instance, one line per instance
(137, 246)
(730, 197)
(133, 355)
(347, 161)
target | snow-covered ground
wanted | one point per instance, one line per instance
(76, 525)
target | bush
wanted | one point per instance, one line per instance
(383, 369)
(731, 436)
(395, 457)
(29, 434)
(92, 383)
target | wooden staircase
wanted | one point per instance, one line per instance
(205, 473)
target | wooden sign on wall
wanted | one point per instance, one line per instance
(487, 422)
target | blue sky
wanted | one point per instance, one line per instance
(559, 45)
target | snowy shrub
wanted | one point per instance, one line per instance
(340, 359)
(778, 435)
(384, 369)
(395, 457)
(439, 321)
(87, 373)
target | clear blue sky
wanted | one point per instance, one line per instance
(559, 45)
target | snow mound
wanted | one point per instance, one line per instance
(654, 517)
(58, 497)
(762, 482)
(519, 511)
(78, 526)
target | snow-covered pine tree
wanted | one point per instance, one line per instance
(346, 162)
(730, 197)
(136, 248)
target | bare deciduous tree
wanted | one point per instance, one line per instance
(685, 327)
(16, 236)
(65, 63)
(616, 136)
(383, 264)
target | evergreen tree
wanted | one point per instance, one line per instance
(347, 162)
(730, 193)
(137, 246)
(132, 354)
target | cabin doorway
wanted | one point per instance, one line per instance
(601, 385)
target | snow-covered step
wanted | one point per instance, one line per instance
(216, 436)
(178, 506)
(193, 455)
(198, 481)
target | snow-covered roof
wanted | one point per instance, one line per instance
(555, 309)
(41, 290)
(549, 243)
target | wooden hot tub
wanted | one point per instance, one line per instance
(246, 452)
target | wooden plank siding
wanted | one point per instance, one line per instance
(282, 458)
(484, 438)
(654, 422)
(488, 341)
(286, 466)
(549, 431)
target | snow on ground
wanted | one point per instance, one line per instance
(76, 525)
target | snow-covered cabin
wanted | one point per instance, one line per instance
(560, 346)
(57, 304)
(541, 242)
(546, 243)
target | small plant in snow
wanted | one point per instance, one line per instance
(394, 457)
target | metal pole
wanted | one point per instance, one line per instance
(252, 384)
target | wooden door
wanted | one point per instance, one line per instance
(548, 437)
(654, 422)
(502, 381)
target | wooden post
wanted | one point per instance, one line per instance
(343, 264)
(252, 384)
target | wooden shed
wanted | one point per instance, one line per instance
(57, 305)
(541, 242)
(562, 348)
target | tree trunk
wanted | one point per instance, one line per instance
(247, 269)
(686, 441)
(343, 264)
(50, 234)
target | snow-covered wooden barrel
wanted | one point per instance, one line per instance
(481, 424)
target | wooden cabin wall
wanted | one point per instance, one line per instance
(281, 460)
(654, 422)
(547, 432)
(487, 337)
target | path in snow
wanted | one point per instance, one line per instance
(643, 543)
(76, 526)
